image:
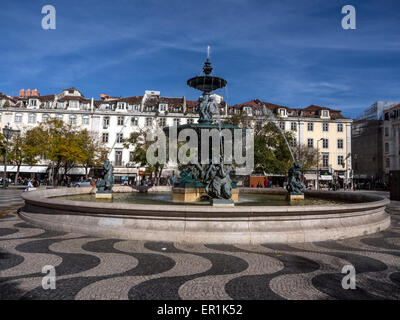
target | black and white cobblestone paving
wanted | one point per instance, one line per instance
(96, 268)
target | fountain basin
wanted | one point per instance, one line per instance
(206, 224)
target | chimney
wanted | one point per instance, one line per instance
(22, 93)
(35, 92)
(28, 93)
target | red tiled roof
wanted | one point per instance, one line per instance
(314, 107)
(393, 107)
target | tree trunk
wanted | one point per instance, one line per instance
(17, 174)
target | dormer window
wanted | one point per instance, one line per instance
(282, 112)
(325, 113)
(136, 107)
(33, 102)
(121, 105)
(163, 107)
(247, 110)
(73, 104)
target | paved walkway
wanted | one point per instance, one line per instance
(97, 268)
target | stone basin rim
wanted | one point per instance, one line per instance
(46, 198)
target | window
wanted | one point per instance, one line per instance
(310, 142)
(121, 105)
(120, 121)
(387, 163)
(340, 161)
(33, 103)
(162, 107)
(136, 107)
(120, 137)
(325, 143)
(47, 104)
(282, 112)
(60, 117)
(293, 126)
(310, 126)
(18, 117)
(325, 113)
(131, 156)
(386, 132)
(73, 104)
(72, 119)
(294, 142)
(134, 121)
(325, 159)
(190, 121)
(45, 117)
(340, 143)
(149, 108)
(149, 122)
(104, 138)
(162, 122)
(282, 125)
(118, 157)
(325, 127)
(106, 121)
(386, 147)
(85, 120)
(340, 127)
(32, 118)
(177, 121)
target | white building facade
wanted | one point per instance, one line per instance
(113, 119)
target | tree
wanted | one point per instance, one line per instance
(139, 154)
(2, 147)
(22, 150)
(306, 156)
(271, 152)
(93, 152)
(61, 144)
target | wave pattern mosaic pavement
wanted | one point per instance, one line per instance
(96, 268)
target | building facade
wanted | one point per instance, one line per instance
(113, 119)
(391, 140)
(372, 133)
(321, 128)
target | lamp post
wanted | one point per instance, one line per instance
(8, 133)
(317, 185)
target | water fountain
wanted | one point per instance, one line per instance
(258, 215)
(208, 180)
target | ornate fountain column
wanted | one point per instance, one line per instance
(206, 181)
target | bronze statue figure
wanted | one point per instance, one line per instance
(106, 183)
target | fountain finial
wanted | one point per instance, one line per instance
(207, 69)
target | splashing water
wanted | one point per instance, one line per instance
(271, 118)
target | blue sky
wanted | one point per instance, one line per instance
(293, 53)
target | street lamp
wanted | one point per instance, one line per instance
(317, 185)
(8, 133)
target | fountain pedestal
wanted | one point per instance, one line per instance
(295, 197)
(108, 196)
(196, 194)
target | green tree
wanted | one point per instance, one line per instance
(93, 152)
(139, 154)
(22, 150)
(307, 156)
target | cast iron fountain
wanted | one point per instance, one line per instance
(207, 181)
(323, 215)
